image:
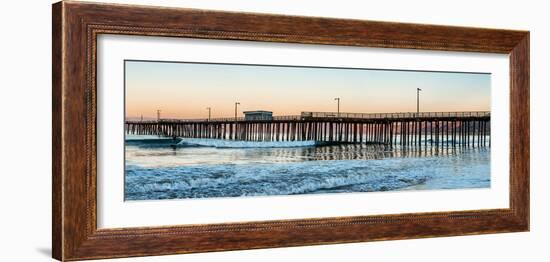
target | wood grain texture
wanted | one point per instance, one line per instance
(519, 129)
(76, 26)
(57, 195)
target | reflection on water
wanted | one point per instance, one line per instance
(351, 152)
(168, 152)
(160, 169)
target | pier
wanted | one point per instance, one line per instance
(451, 129)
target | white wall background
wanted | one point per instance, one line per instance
(25, 150)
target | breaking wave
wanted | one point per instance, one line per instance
(263, 179)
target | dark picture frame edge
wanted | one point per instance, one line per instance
(75, 27)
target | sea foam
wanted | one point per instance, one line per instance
(220, 143)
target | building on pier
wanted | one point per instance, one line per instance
(258, 115)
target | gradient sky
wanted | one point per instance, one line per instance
(185, 90)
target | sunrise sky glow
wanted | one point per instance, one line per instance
(185, 90)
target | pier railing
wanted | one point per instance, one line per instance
(226, 119)
(394, 115)
(332, 115)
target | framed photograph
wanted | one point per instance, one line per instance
(182, 130)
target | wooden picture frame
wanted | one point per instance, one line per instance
(76, 26)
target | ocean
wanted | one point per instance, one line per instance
(163, 168)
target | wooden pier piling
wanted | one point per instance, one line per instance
(454, 129)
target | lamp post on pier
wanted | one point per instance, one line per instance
(338, 101)
(158, 122)
(418, 101)
(236, 105)
(209, 113)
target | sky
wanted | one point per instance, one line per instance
(186, 90)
